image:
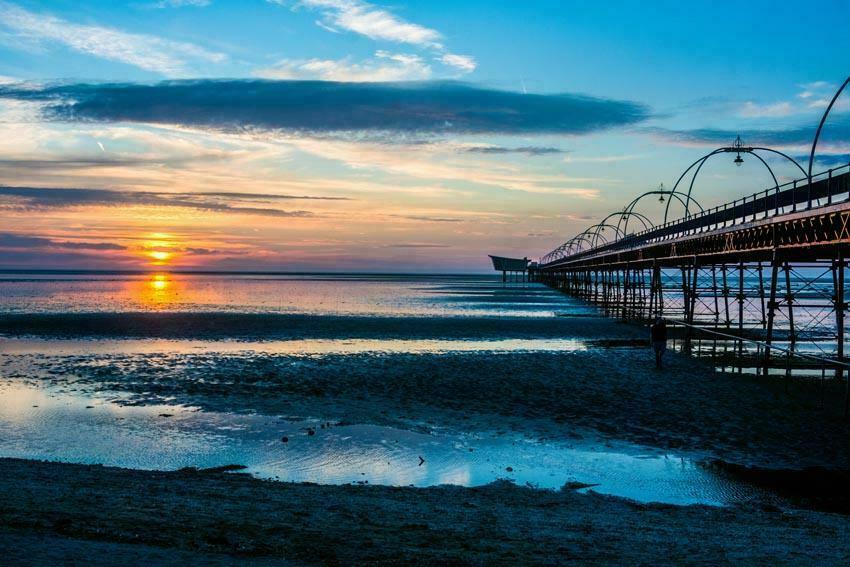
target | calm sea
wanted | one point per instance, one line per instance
(320, 294)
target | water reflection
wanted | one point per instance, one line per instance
(48, 424)
(157, 291)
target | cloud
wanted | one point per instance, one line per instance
(36, 198)
(602, 159)
(776, 110)
(527, 150)
(817, 95)
(417, 245)
(827, 160)
(812, 98)
(425, 218)
(463, 63)
(836, 130)
(12, 240)
(440, 107)
(385, 67)
(379, 24)
(439, 161)
(181, 3)
(370, 21)
(146, 52)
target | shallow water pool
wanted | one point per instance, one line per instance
(46, 423)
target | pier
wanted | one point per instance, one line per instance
(765, 271)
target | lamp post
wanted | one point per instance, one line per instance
(738, 146)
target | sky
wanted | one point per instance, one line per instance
(412, 136)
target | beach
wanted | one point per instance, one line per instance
(508, 389)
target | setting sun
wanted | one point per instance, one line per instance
(160, 256)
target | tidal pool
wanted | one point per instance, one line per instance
(49, 424)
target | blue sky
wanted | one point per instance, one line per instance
(506, 128)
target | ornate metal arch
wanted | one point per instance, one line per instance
(600, 227)
(678, 195)
(624, 214)
(739, 149)
(820, 127)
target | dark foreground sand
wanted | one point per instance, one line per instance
(90, 514)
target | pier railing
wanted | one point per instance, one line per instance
(826, 188)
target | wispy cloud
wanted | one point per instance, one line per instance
(602, 159)
(385, 67)
(322, 107)
(811, 98)
(499, 150)
(463, 63)
(428, 218)
(368, 20)
(181, 3)
(775, 110)
(417, 245)
(151, 53)
(379, 24)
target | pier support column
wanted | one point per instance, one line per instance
(840, 307)
(741, 298)
(714, 291)
(789, 299)
(728, 319)
(772, 306)
(761, 295)
(656, 298)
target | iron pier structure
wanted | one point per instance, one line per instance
(766, 271)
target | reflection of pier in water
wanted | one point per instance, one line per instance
(758, 283)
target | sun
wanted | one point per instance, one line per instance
(159, 248)
(160, 257)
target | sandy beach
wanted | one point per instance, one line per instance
(74, 513)
(787, 440)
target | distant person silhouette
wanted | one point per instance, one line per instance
(658, 337)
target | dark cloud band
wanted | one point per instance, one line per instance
(324, 107)
(527, 150)
(837, 129)
(34, 198)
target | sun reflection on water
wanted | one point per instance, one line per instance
(157, 291)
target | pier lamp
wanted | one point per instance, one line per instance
(737, 146)
(661, 197)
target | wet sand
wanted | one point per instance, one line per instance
(614, 391)
(250, 326)
(77, 513)
(610, 389)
